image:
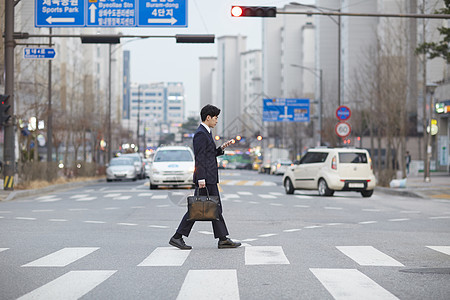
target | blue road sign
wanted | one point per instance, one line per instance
(286, 110)
(163, 13)
(60, 13)
(111, 13)
(41, 53)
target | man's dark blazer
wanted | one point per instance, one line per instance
(205, 152)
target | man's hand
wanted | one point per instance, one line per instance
(202, 183)
(226, 144)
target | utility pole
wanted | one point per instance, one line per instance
(49, 117)
(9, 138)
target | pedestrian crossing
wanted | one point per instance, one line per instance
(220, 283)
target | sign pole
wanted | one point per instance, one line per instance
(49, 116)
(8, 151)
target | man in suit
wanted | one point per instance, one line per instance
(206, 174)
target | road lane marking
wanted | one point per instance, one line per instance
(367, 222)
(163, 205)
(159, 196)
(267, 235)
(72, 285)
(42, 210)
(111, 208)
(441, 217)
(265, 255)
(165, 257)
(334, 224)
(122, 198)
(371, 209)
(62, 258)
(3, 249)
(231, 196)
(267, 196)
(292, 230)
(78, 209)
(313, 226)
(350, 284)
(86, 199)
(46, 197)
(276, 194)
(369, 256)
(94, 222)
(276, 204)
(410, 212)
(50, 200)
(127, 224)
(442, 249)
(205, 232)
(25, 218)
(57, 220)
(112, 195)
(333, 208)
(145, 194)
(398, 220)
(210, 284)
(301, 206)
(242, 182)
(254, 202)
(245, 193)
(303, 197)
(79, 196)
(158, 226)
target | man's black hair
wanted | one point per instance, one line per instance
(209, 110)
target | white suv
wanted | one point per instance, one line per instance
(172, 166)
(332, 169)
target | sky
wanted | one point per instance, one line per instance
(163, 60)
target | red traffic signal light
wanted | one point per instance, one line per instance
(254, 11)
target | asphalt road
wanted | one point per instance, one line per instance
(110, 241)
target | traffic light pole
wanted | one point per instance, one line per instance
(9, 139)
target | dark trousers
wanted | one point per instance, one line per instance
(219, 227)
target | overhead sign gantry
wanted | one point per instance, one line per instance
(111, 13)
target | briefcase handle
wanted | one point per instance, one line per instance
(207, 192)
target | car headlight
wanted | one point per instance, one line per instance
(191, 170)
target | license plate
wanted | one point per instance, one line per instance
(356, 185)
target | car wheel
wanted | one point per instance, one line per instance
(153, 187)
(323, 188)
(367, 194)
(288, 187)
(108, 180)
(135, 178)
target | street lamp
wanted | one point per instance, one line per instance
(314, 72)
(338, 23)
(431, 88)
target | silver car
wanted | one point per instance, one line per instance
(120, 168)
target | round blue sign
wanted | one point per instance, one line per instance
(343, 113)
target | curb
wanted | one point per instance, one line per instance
(398, 192)
(25, 193)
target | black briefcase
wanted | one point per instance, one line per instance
(203, 208)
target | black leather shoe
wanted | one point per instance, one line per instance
(228, 243)
(179, 243)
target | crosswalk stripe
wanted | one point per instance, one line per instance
(245, 193)
(72, 285)
(442, 249)
(350, 284)
(209, 284)
(62, 258)
(3, 249)
(165, 256)
(368, 256)
(265, 255)
(112, 195)
(159, 197)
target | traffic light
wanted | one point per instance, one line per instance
(254, 11)
(4, 107)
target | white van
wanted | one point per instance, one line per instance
(332, 169)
